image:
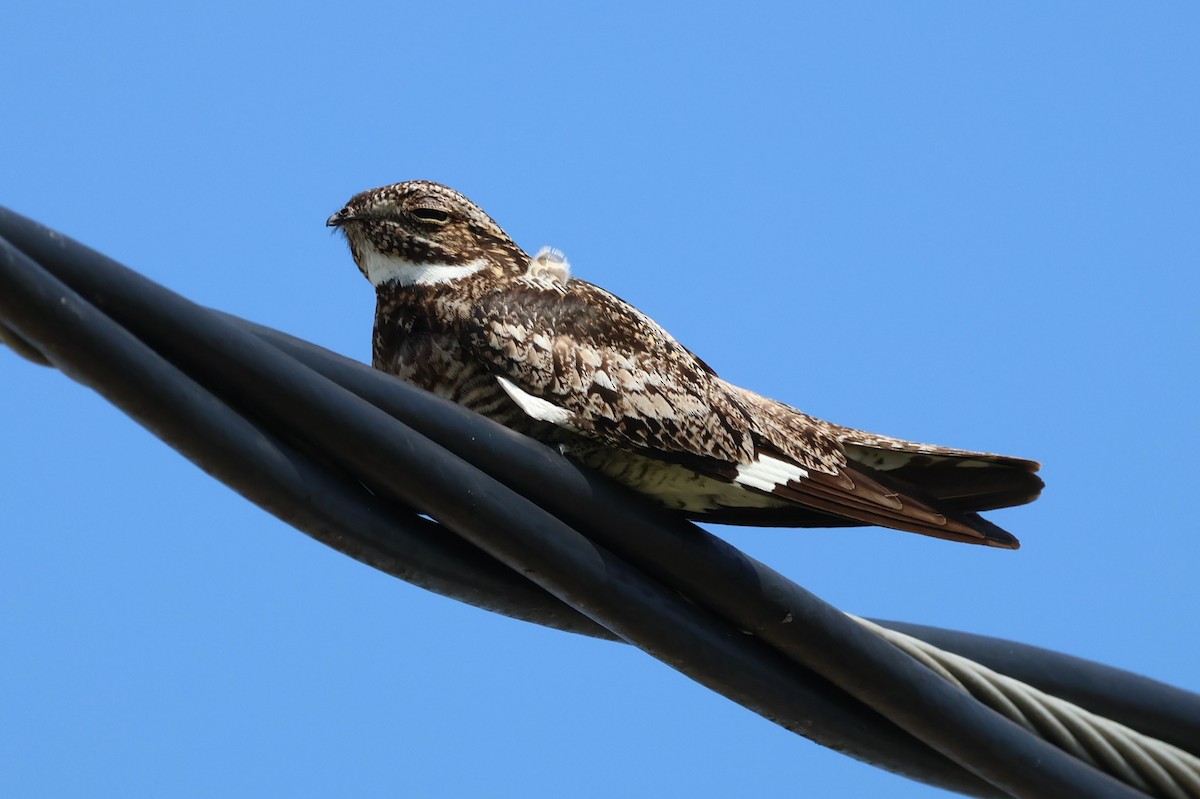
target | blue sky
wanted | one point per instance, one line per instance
(968, 225)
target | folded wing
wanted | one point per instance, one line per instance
(587, 362)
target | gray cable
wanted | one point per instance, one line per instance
(1153, 766)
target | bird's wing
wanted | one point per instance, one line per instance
(857, 490)
(581, 358)
(956, 478)
(587, 361)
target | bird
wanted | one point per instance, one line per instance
(463, 312)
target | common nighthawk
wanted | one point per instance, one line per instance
(461, 313)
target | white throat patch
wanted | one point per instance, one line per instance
(382, 269)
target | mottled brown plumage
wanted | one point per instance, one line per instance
(462, 311)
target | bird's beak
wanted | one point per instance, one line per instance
(340, 218)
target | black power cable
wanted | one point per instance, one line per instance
(600, 548)
(1159, 710)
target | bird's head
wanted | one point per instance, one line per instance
(424, 233)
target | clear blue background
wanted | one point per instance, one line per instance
(966, 225)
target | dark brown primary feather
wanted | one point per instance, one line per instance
(588, 371)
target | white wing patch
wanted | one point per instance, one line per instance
(381, 269)
(535, 407)
(766, 473)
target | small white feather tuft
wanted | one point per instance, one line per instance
(550, 265)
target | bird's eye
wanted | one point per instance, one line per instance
(435, 215)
